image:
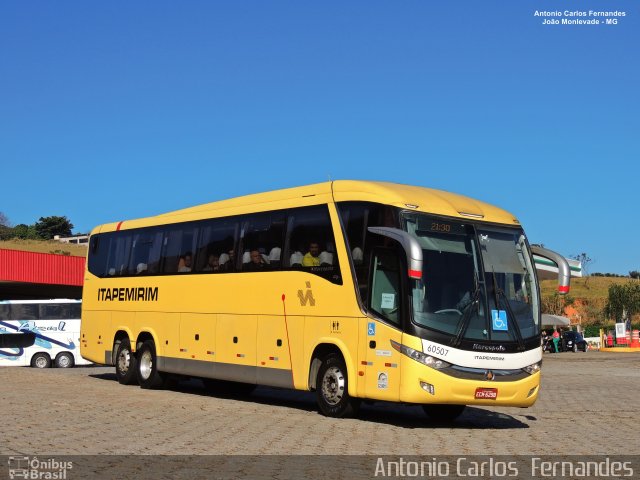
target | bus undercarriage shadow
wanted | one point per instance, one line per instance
(399, 415)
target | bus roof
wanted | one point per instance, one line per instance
(420, 199)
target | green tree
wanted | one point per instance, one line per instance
(48, 227)
(623, 301)
(25, 232)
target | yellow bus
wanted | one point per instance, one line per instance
(352, 289)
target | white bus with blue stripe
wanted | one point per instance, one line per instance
(40, 333)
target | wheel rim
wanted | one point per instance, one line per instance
(41, 362)
(333, 383)
(124, 360)
(146, 364)
(64, 361)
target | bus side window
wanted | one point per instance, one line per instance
(119, 251)
(385, 284)
(51, 311)
(179, 242)
(25, 311)
(99, 252)
(145, 254)
(218, 237)
(310, 243)
(263, 232)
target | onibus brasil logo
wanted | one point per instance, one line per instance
(36, 469)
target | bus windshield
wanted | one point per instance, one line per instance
(477, 282)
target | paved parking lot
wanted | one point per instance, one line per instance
(589, 404)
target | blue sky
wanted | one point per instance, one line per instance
(116, 110)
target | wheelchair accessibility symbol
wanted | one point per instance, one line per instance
(499, 320)
(371, 329)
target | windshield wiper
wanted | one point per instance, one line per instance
(498, 292)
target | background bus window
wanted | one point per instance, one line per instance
(217, 237)
(310, 243)
(264, 232)
(145, 252)
(58, 311)
(179, 243)
(25, 311)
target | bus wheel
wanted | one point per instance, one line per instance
(332, 389)
(148, 374)
(443, 413)
(41, 360)
(64, 360)
(125, 363)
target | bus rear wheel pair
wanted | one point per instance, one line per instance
(43, 360)
(141, 369)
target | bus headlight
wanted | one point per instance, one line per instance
(418, 356)
(533, 368)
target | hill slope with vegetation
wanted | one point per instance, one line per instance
(45, 246)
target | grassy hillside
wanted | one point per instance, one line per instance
(587, 288)
(45, 246)
(586, 300)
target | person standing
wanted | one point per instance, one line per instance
(556, 340)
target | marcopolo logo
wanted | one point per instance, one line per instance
(37, 469)
(306, 297)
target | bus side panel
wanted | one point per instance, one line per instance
(274, 362)
(236, 347)
(124, 321)
(198, 337)
(165, 328)
(96, 336)
(299, 361)
(52, 337)
(12, 357)
(382, 362)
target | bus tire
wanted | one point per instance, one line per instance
(64, 360)
(41, 360)
(332, 389)
(147, 371)
(443, 413)
(125, 363)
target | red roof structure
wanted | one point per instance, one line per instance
(28, 274)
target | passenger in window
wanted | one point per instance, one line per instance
(213, 263)
(256, 262)
(228, 261)
(312, 257)
(184, 264)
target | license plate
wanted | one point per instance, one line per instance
(486, 393)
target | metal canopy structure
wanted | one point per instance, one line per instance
(554, 321)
